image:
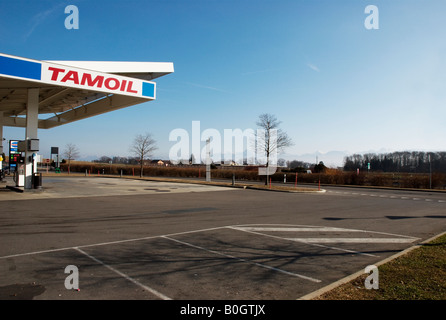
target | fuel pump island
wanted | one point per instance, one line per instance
(37, 94)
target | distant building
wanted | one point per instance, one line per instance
(159, 162)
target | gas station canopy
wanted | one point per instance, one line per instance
(45, 94)
(74, 90)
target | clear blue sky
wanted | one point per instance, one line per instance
(334, 84)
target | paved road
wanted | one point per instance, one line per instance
(151, 240)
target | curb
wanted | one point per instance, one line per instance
(215, 184)
(16, 189)
(240, 186)
(279, 190)
(355, 275)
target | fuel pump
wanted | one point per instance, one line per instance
(2, 172)
(33, 160)
(19, 174)
(36, 177)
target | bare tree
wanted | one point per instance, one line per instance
(143, 147)
(70, 152)
(104, 159)
(270, 139)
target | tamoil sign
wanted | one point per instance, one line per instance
(51, 73)
(68, 76)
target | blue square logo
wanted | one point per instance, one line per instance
(148, 89)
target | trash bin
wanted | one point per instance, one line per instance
(37, 181)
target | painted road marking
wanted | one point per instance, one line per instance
(103, 243)
(292, 232)
(261, 230)
(139, 284)
(310, 228)
(388, 196)
(313, 244)
(294, 229)
(246, 228)
(243, 260)
(352, 240)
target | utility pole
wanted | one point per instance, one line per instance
(208, 160)
(430, 172)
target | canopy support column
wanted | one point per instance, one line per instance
(32, 118)
(2, 158)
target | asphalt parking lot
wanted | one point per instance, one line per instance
(133, 239)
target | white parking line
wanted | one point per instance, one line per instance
(352, 240)
(387, 196)
(294, 229)
(244, 260)
(253, 229)
(313, 228)
(102, 243)
(313, 244)
(153, 291)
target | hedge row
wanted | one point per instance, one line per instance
(401, 180)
